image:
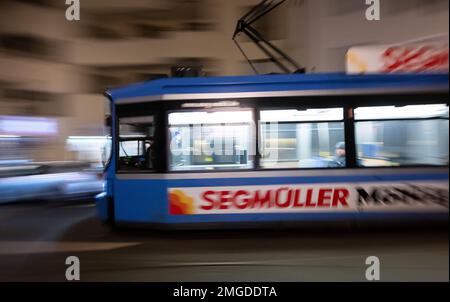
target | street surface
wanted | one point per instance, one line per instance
(36, 238)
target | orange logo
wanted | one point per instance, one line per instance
(180, 203)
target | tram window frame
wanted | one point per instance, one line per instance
(312, 121)
(119, 140)
(357, 120)
(137, 110)
(108, 129)
(252, 142)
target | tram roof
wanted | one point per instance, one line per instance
(264, 85)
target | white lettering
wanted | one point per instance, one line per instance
(373, 11)
(73, 11)
(373, 271)
(73, 271)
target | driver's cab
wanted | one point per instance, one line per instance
(136, 143)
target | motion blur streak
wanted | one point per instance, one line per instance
(37, 247)
(52, 71)
(55, 140)
(407, 254)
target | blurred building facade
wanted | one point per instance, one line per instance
(321, 31)
(53, 71)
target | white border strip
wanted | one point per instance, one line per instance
(278, 173)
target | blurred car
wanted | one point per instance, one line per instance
(51, 181)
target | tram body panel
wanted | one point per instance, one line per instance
(398, 195)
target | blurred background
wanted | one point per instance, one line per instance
(53, 72)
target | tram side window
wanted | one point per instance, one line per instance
(402, 136)
(309, 138)
(211, 140)
(136, 143)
